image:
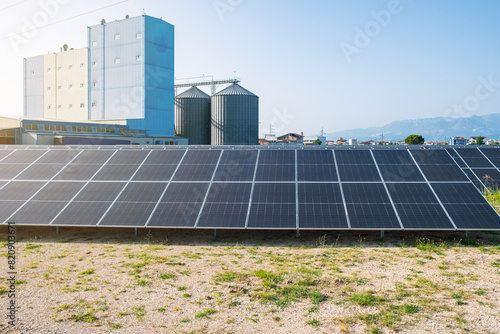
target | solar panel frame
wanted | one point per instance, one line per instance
(393, 157)
(354, 157)
(315, 157)
(223, 215)
(359, 173)
(437, 173)
(317, 173)
(318, 216)
(424, 217)
(285, 173)
(466, 217)
(400, 173)
(373, 217)
(411, 193)
(365, 193)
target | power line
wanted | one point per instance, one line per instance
(17, 3)
(67, 19)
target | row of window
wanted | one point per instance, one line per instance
(49, 88)
(118, 60)
(70, 106)
(64, 128)
(117, 37)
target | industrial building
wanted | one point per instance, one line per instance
(192, 116)
(125, 73)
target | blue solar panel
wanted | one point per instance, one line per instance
(393, 157)
(432, 157)
(277, 157)
(322, 216)
(359, 173)
(194, 172)
(423, 217)
(443, 173)
(269, 216)
(234, 173)
(315, 157)
(201, 157)
(372, 216)
(411, 193)
(222, 215)
(354, 157)
(320, 193)
(365, 193)
(317, 173)
(239, 157)
(274, 193)
(400, 173)
(275, 173)
(473, 216)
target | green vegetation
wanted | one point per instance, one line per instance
(414, 140)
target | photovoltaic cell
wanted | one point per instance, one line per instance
(317, 173)
(59, 191)
(372, 216)
(443, 173)
(165, 157)
(4, 153)
(322, 216)
(274, 193)
(142, 192)
(185, 192)
(23, 156)
(77, 172)
(194, 173)
(97, 157)
(423, 216)
(400, 173)
(365, 193)
(354, 157)
(175, 215)
(9, 171)
(116, 173)
(234, 173)
(100, 191)
(58, 156)
(275, 173)
(220, 215)
(201, 157)
(473, 216)
(359, 173)
(40, 172)
(495, 161)
(239, 157)
(469, 153)
(458, 193)
(478, 162)
(456, 157)
(411, 193)
(490, 152)
(82, 213)
(393, 157)
(270, 216)
(154, 173)
(432, 157)
(128, 214)
(7, 208)
(128, 157)
(326, 193)
(489, 177)
(277, 157)
(19, 191)
(229, 193)
(315, 157)
(38, 212)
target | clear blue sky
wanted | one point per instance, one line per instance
(424, 59)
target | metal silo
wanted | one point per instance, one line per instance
(192, 116)
(235, 117)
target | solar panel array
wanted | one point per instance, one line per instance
(253, 187)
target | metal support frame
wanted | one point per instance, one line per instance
(467, 234)
(136, 231)
(382, 234)
(215, 233)
(57, 230)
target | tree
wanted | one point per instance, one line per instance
(414, 140)
(317, 142)
(479, 140)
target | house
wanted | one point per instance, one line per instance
(458, 141)
(289, 137)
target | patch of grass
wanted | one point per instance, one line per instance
(185, 320)
(205, 313)
(317, 297)
(229, 277)
(181, 288)
(139, 311)
(32, 246)
(269, 278)
(86, 272)
(143, 282)
(168, 276)
(313, 322)
(480, 292)
(366, 298)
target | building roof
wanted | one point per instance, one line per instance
(193, 93)
(235, 89)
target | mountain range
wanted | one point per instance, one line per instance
(432, 129)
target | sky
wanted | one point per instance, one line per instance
(324, 64)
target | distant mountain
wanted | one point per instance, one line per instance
(432, 129)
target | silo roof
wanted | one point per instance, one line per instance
(235, 89)
(193, 93)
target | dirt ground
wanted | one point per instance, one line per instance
(174, 281)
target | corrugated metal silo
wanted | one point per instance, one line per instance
(192, 116)
(235, 117)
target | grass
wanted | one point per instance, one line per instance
(205, 313)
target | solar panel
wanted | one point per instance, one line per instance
(235, 173)
(7, 208)
(88, 157)
(175, 215)
(40, 172)
(478, 162)
(411, 193)
(194, 172)
(100, 191)
(19, 191)
(24, 156)
(456, 157)
(130, 157)
(274, 193)
(457, 193)
(38, 212)
(275, 173)
(277, 157)
(432, 157)
(78, 172)
(443, 173)
(365, 193)
(489, 177)
(321, 193)
(128, 214)
(372, 216)
(315, 157)
(201, 157)
(221, 215)
(272, 216)
(59, 157)
(142, 192)
(354, 157)
(154, 173)
(116, 172)
(4, 153)
(229, 193)
(185, 192)
(59, 191)
(400, 173)
(490, 152)
(322, 216)
(9, 171)
(317, 173)
(239, 157)
(469, 153)
(473, 216)
(82, 213)
(359, 173)
(164, 157)
(423, 216)
(393, 157)
(495, 162)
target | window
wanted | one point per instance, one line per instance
(48, 107)
(138, 57)
(70, 106)
(94, 104)
(52, 128)
(58, 128)
(48, 89)
(94, 43)
(59, 106)
(33, 72)
(46, 127)
(94, 64)
(70, 86)
(82, 105)
(82, 65)
(94, 84)
(117, 36)
(59, 68)
(138, 35)
(70, 67)
(59, 87)
(117, 60)
(48, 70)
(82, 85)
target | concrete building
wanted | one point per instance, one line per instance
(458, 141)
(126, 72)
(311, 140)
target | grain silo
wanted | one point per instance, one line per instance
(192, 116)
(235, 117)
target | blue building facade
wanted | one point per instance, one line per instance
(131, 73)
